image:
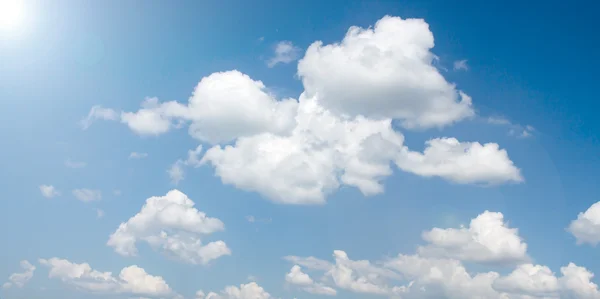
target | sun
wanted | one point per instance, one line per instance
(12, 15)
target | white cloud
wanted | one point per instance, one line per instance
(285, 52)
(384, 72)
(176, 172)
(131, 280)
(586, 228)
(303, 280)
(339, 132)
(49, 191)
(98, 113)
(74, 164)
(170, 223)
(462, 162)
(245, 291)
(420, 276)
(516, 130)
(99, 213)
(19, 279)
(461, 65)
(223, 106)
(87, 195)
(488, 239)
(498, 120)
(136, 155)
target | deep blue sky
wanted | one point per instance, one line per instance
(531, 62)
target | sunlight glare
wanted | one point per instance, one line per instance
(12, 15)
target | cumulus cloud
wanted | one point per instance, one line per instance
(461, 65)
(462, 162)
(586, 228)
(245, 291)
(339, 131)
(98, 113)
(298, 278)
(416, 276)
(49, 191)
(131, 280)
(488, 239)
(285, 52)
(384, 72)
(173, 225)
(19, 279)
(87, 195)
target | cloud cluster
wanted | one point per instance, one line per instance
(19, 279)
(245, 291)
(131, 280)
(172, 225)
(443, 274)
(340, 130)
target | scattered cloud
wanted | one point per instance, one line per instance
(423, 275)
(461, 65)
(49, 191)
(99, 213)
(98, 113)
(117, 192)
(516, 130)
(131, 280)
(20, 279)
(87, 195)
(136, 155)
(285, 52)
(245, 291)
(173, 225)
(74, 164)
(298, 278)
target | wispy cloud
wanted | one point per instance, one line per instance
(98, 113)
(516, 130)
(87, 195)
(461, 65)
(285, 52)
(49, 191)
(136, 155)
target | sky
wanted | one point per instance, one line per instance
(307, 149)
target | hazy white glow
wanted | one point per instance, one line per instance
(12, 14)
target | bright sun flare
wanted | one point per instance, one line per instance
(12, 15)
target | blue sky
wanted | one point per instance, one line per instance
(524, 147)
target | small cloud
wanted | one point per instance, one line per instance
(99, 213)
(49, 191)
(117, 192)
(87, 195)
(285, 52)
(498, 120)
(253, 219)
(74, 164)
(136, 155)
(461, 65)
(516, 130)
(252, 278)
(98, 113)
(261, 39)
(176, 172)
